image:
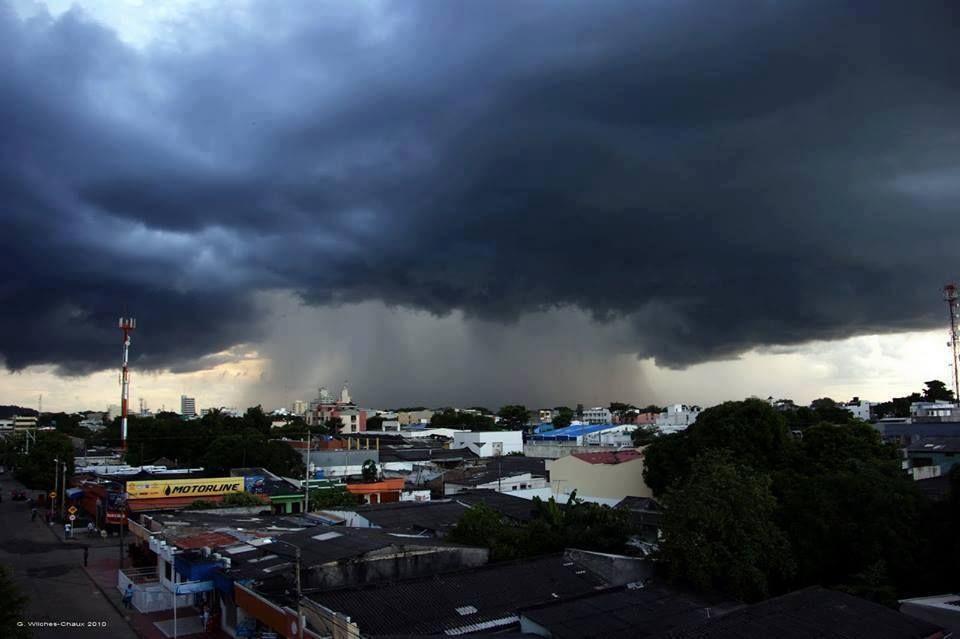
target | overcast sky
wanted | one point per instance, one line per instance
(477, 202)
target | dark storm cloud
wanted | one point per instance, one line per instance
(722, 175)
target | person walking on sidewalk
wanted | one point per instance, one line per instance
(128, 597)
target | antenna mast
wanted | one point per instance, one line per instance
(127, 324)
(950, 297)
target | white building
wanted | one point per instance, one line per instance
(677, 417)
(597, 415)
(188, 406)
(490, 443)
(860, 409)
(508, 482)
(940, 408)
(299, 407)
(113, 411)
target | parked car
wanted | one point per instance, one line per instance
(18, 495)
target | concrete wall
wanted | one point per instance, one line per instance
(509, 484)
(617, 570)
(556, 450)
(490, 443)
(389, 564)
(612, 481)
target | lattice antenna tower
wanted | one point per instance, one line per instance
(950, 297)
(127, 325)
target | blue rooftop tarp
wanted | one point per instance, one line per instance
(573, 432)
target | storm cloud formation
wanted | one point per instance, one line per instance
(719, 176)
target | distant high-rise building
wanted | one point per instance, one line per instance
(188, 406)
(299, 407)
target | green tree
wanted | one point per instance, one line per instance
(563, 419)
(243, 499)
(513, 416)
(375, 423)
(451, 418)
(13, 607)
(256, 419)
(644, 435)
(37, 469)
(369, 470)
(619, 407)
(334, 425)
(850, 513)
(719, 531)
(936, 390)
(334, 497)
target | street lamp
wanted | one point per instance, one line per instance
(300, 623)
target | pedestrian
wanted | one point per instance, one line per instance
(128, 597)
(33, 514)
(205, 618)
(67, 529)
(86, 552)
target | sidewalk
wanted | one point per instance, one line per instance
(103, 572)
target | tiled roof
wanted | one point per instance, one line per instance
(482, 599)
(612, 457)
(812, 612)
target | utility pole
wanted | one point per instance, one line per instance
(306, 478)
(56, 493)
(63, 496)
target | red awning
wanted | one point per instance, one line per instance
(167, 503)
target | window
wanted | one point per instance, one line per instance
(167, 571)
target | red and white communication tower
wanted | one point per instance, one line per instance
(950, 296)
(127, 324)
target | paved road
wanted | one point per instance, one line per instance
(49, 573)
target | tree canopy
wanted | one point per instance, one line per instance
(830, 508)
(513, 416)
(217, 441)
(452, 418)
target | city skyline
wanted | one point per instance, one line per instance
(603, 200)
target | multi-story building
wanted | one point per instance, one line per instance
(598, 415)
(677, 417)
(414, 417)
(299, 407)
(325, 408)
(607, 475)
(860, 409)
(188, 407)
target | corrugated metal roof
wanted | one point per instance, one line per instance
(430, 605)
(572, 432)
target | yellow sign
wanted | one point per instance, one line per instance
(72, 510)
(52, 494)
(159, 488)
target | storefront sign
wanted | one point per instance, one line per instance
(159, 488)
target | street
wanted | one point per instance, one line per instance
(49, 572)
